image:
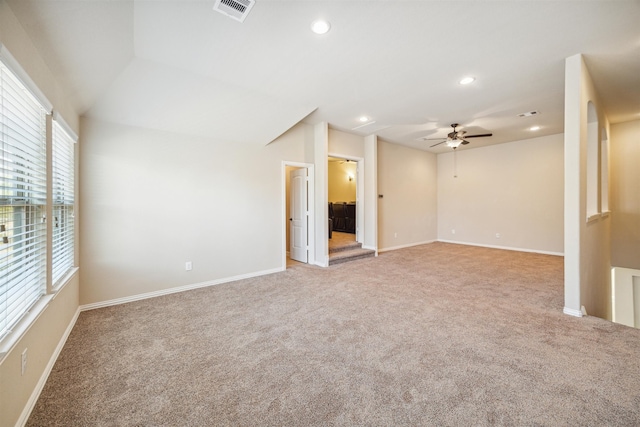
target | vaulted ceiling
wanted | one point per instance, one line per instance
(178, 65)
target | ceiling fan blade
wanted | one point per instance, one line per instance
(432, 139)
(478, 136)
(441, 142)
(464, 142)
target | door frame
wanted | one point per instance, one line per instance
(359, 192)
(311, 256)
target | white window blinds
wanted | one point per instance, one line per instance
(22, 199)
(62, 252)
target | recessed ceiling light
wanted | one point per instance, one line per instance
(534, 128)
(363, 119)
(320, 26)
(467, 80)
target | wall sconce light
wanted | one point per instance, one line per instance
(350, 177)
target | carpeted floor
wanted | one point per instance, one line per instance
(439, 334)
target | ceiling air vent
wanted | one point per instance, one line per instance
(528, 114)
(235, 9)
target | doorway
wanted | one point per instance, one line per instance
(297, 208)
(344, 188)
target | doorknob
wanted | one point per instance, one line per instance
(290, 219)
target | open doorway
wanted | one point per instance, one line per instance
(344, 188)
(297, 179)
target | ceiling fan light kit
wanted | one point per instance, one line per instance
(454, 143)
(456, 138)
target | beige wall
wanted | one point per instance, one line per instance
(13, 36)
(587, 261)
(340, 188)
(45, 334)
(625, 194)
(408, 210)
(512, 189)
(364, 150)
(345, 144)
(42, 342)
(153, 200)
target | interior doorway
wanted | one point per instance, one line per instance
(344, 188)
(298, 215)
(297, 202)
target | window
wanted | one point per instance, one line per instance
(604, 172)
(23, 182)
(33, 187)
(63, 219)
(593, 208)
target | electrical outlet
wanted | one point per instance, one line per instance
(24, 362)
(497, 235)
(188, 266)
(395, 234)
(453, 231)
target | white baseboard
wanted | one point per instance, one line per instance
(572, 312)
(507, 248)
(394, 248)
(31, 403)
(177, 289)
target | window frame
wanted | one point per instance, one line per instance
(28, 316)
(63, 141)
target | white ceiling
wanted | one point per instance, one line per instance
(180, 66)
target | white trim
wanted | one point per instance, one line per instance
(311, 253)
(371, 248)
(370, 190)
(594, 217)
(622, 299)
(320, 264)
(8, 343)
(409, 245)
(572, 312)
(177, 289)
(31, 403)
(21, 74)
(65, 279)
(507, 248)
(345, 156)
(21, 328)
(360, 195)
(65, 126)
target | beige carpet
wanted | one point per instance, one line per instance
(438, 334)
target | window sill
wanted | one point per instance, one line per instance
(594, 217)
(65, 279)
(22, 327)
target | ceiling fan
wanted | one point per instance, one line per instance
(341, 161)
(456, 138)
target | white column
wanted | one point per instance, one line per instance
(320, 154)
(572, 188)
(371, 193)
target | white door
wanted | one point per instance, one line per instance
(298, 219)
